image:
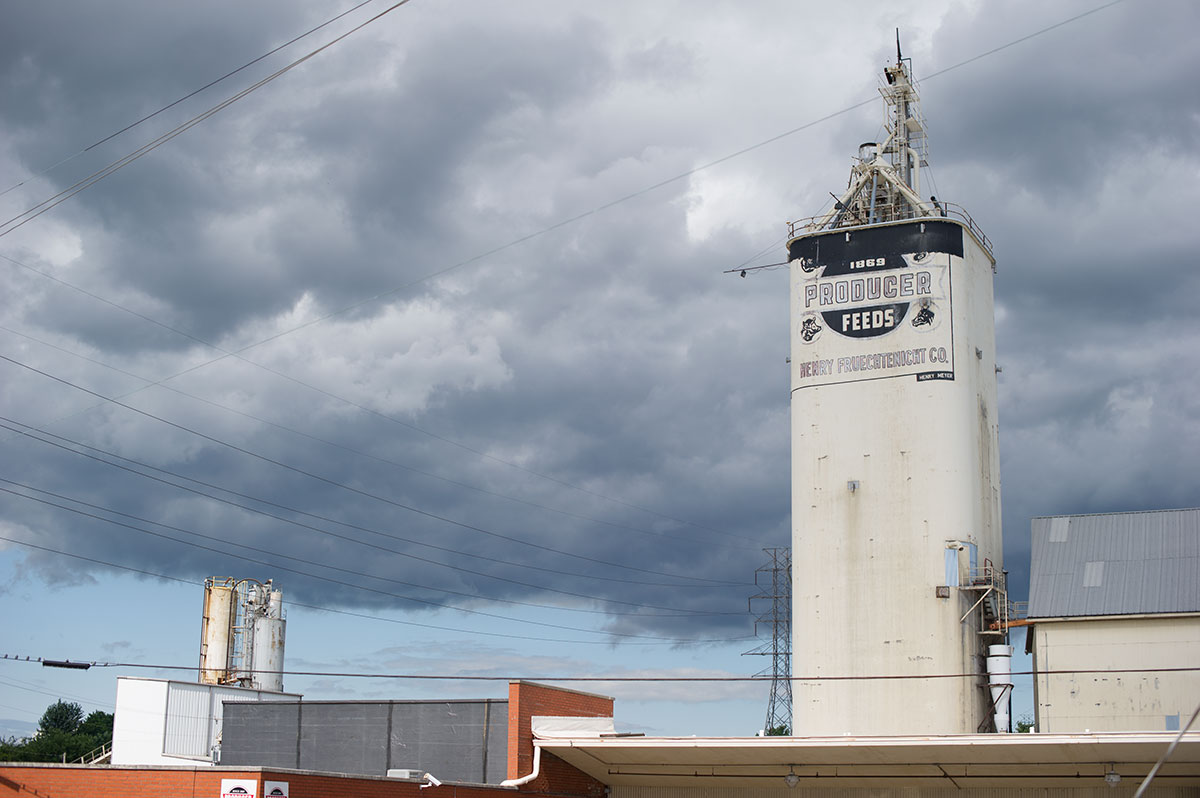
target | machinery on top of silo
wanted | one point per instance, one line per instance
(242, 634)
(896, 540)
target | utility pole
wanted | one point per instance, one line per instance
(776, 613)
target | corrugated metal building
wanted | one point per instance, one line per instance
(1115, 592)
(164, 722)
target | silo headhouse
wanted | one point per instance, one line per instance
(896, 542)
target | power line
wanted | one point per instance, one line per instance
(1141, 790)
(188, 96)
(341, 583)
(162, 384)
(17, 684)
(335, 483)
(349, 613)
(37, 210)
(237, 354)
(671, 612)
(546, 230)
(388, 535)
(633, 679)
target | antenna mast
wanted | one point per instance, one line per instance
(886, 189)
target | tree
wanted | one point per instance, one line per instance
(98, 724)
(63, 735)
(61, 716)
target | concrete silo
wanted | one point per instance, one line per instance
(896, 540)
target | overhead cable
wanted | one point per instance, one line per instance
(189, 95)
(46, 205)
(365, 616)
(99, 455)
(669, 612)
(636, 679)
(335, 483)
(30, 214)
(359, 453)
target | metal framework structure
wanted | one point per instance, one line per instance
(885, 180)
(777, 614)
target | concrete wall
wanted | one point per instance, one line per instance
(1076, 702)
(453, 740)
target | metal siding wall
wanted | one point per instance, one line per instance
(189, 720)
(345, 738)
(265, 735)
(448, 739)
(497, 742)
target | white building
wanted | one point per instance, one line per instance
(1114, 601)
(161, 722)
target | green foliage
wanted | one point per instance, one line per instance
(1024, 726)
(97, 724)
(779, 731)
(61, 716)
(63, 735)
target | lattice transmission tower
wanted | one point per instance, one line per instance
(776, 614)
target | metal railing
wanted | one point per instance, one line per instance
(95, 755)
(948, 210)
(995, 610)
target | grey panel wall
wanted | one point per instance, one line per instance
(268, 737)
(454, 740)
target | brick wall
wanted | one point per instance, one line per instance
(81, 781)
(526, 699)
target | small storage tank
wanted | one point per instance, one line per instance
(216, 633)
(267, 648)
(999, 668)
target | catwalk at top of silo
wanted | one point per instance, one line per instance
(896, 543)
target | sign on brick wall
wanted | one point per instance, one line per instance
(239, 788)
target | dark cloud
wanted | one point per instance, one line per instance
(599, 397)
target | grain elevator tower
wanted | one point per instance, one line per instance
(896, 542)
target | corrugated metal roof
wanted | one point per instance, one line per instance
(1115, 564)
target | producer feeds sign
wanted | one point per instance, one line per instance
(886, 314)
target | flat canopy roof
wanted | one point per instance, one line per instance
(1014, 760)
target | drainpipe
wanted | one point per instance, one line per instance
(537, 766)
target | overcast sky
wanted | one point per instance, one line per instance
(434, 326)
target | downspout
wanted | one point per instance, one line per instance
(537, 766)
